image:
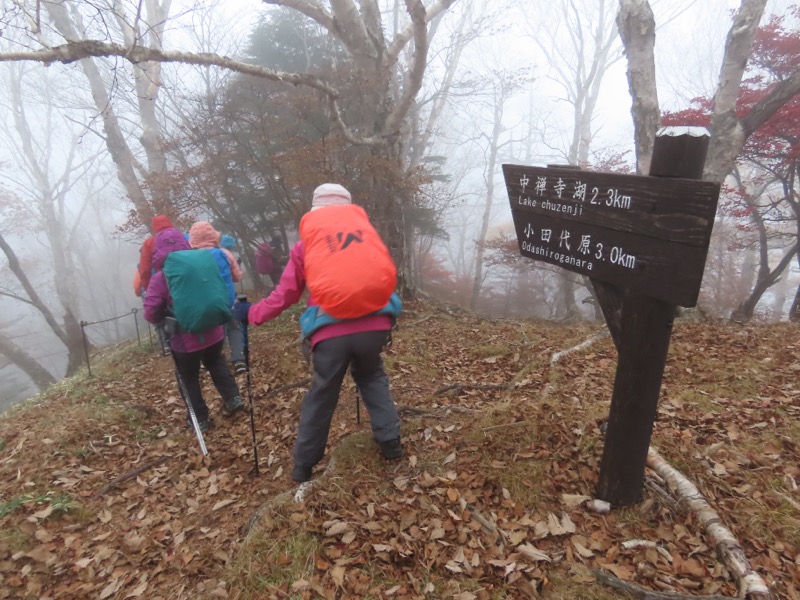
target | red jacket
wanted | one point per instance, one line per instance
(158, 223)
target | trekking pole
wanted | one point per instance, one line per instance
(192, 416)
(250, 397)
(240, 314)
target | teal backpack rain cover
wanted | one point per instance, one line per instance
(199, 296)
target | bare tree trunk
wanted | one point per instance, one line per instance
(50, 204)
(40, 376)
(117, 146)
(35, 300)
(147, 77)
(794, 311)
(500, 95)
(728, 134)
(637, 29)
(744, 312)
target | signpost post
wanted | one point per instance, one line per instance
(642, 241)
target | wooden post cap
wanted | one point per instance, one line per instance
(680, 151)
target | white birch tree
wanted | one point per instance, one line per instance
(729, 131)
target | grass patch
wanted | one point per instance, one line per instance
(355, 452)
(702, 401)
(14, 540)
(277, 554)
(489, 350)
(60, 503)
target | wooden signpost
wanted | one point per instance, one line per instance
(642, 241)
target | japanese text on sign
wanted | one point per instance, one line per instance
(639, 232)
(569, 201)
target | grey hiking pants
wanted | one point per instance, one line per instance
(233, 332)
(331, 358)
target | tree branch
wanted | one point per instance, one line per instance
(74, 51)
(16, 297)
(16, 268)
(402, 38)
(313, 10)
(771, 103)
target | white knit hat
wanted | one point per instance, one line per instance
(329, 194)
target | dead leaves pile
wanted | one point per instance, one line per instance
(103, 493)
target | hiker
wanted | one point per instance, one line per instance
(145, 269)
(203, 235)
(269, 259)
(336, 344)
(137, 284)
(189, 349)
(157, 224)
(228, 243)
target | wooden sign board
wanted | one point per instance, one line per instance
(650, 234)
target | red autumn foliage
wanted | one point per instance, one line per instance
(776, 53)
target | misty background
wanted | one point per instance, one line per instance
(93, 148)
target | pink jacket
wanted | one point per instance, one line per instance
(289, 291)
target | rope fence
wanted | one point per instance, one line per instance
(85, 324)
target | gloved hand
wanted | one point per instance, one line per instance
(240, 310)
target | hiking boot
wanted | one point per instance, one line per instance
(233, 406)
(239, 367)
(204, 425)
(301, 474)
(392, 449)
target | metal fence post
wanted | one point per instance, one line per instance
(86, 347)
(136, 321)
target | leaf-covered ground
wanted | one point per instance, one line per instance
(104, 493)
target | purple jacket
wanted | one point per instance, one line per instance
(156, 302)
(291, 288)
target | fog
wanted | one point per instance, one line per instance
(87, 157)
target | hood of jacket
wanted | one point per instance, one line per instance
(203, 235)
(159, 223)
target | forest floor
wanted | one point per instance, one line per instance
(104, 492)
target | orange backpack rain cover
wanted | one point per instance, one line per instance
(349, 270)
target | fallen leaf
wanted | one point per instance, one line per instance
(42, 514)
(133, 541)
(337, 528)
(574, 500)
(337, 574)
(531, 552)
(581, 549)
(138, 591)
(223, 503)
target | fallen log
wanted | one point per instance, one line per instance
(729, 550)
